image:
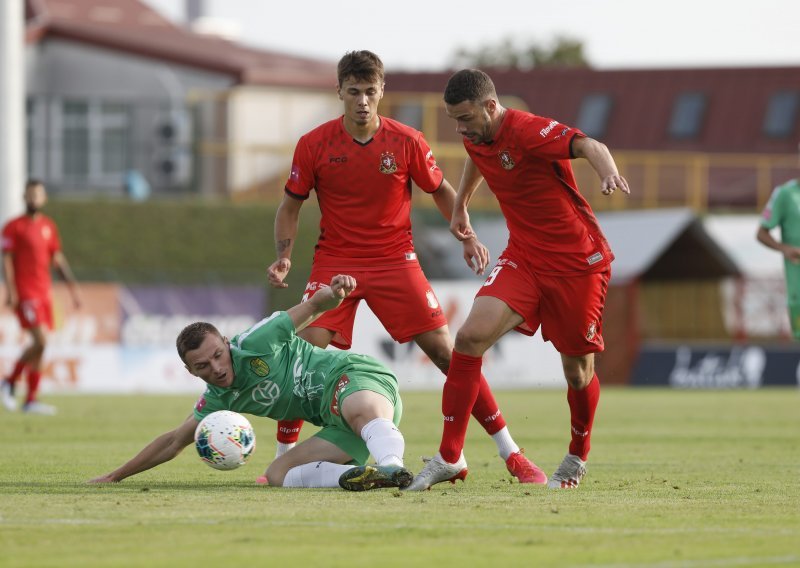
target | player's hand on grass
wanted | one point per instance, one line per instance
(277, 271)
(476, 255)
(107, 478)
(614, 182)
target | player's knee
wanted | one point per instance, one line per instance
(471, 341)
(276, 473)
(579, 376)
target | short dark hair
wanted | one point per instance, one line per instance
(361, 65)
(192, 336)
(468, 85)
(33, 182)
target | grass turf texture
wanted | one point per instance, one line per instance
(676, 478)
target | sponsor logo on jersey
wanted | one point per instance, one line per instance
(266, 393)
(337, 159)
(506, 160)
(259, 367)
(200, 404)
(595, 258)
(548, 129)
(340, 386)
(388, 163)
(507, 262)
(411, 256)
(591, 331)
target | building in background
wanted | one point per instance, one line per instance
(113, 87)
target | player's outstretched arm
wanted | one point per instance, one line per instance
(160, 450)
(287, 219)
(12, 299)
(601, 160)
(327, 298)
(476, 255)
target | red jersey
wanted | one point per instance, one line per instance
(364, 190)
(32, 242)
(528, 168)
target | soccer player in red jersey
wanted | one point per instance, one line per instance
(30, 247)
(553, 273)
(361, 166)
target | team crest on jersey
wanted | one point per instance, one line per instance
(388, 163)
(46, 233)
(591, 331)
(259, 367)
(506, 160)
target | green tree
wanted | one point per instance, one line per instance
(510, 54)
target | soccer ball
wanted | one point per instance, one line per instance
(225, 440)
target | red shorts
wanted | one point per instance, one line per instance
(35, 312)
(400, 297)
(568, 308)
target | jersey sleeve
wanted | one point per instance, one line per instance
(301, 178)
(549, 139)
(55, 241)
(774, 209)
(422, 165)
(268, 335)
(206, 404)
(9, 241)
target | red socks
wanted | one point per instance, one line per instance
(458, 397)
(289, 430)
(582, 406)
(15, 374)
(33, 385)
(486, 411)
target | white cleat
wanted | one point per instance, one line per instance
(7, 396)
(569, 473)
(437, 470)
(37, 407)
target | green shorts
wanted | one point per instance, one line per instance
(336, 430)
(793, 296)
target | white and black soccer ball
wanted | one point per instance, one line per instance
(225, 440)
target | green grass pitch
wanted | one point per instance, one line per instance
(675, 479)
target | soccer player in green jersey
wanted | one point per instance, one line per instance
(268, 371)
(783, 210)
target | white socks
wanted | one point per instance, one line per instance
(283, 448)
(384, 441)
(315, 474)
(505, 443)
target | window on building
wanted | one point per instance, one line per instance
(594, 113)
(95, 142)
(75, 139)
(687, 115)
(781, 116)
(410, 114)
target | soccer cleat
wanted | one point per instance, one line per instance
(524, 469)
(437, 470)
(569, 473)
(36, 407)
(7, 395)
(366, 477)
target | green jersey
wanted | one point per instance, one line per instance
(280, 376)
(783, 210)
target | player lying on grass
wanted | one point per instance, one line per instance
(268, 371)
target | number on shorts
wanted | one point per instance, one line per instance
(492, 275)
